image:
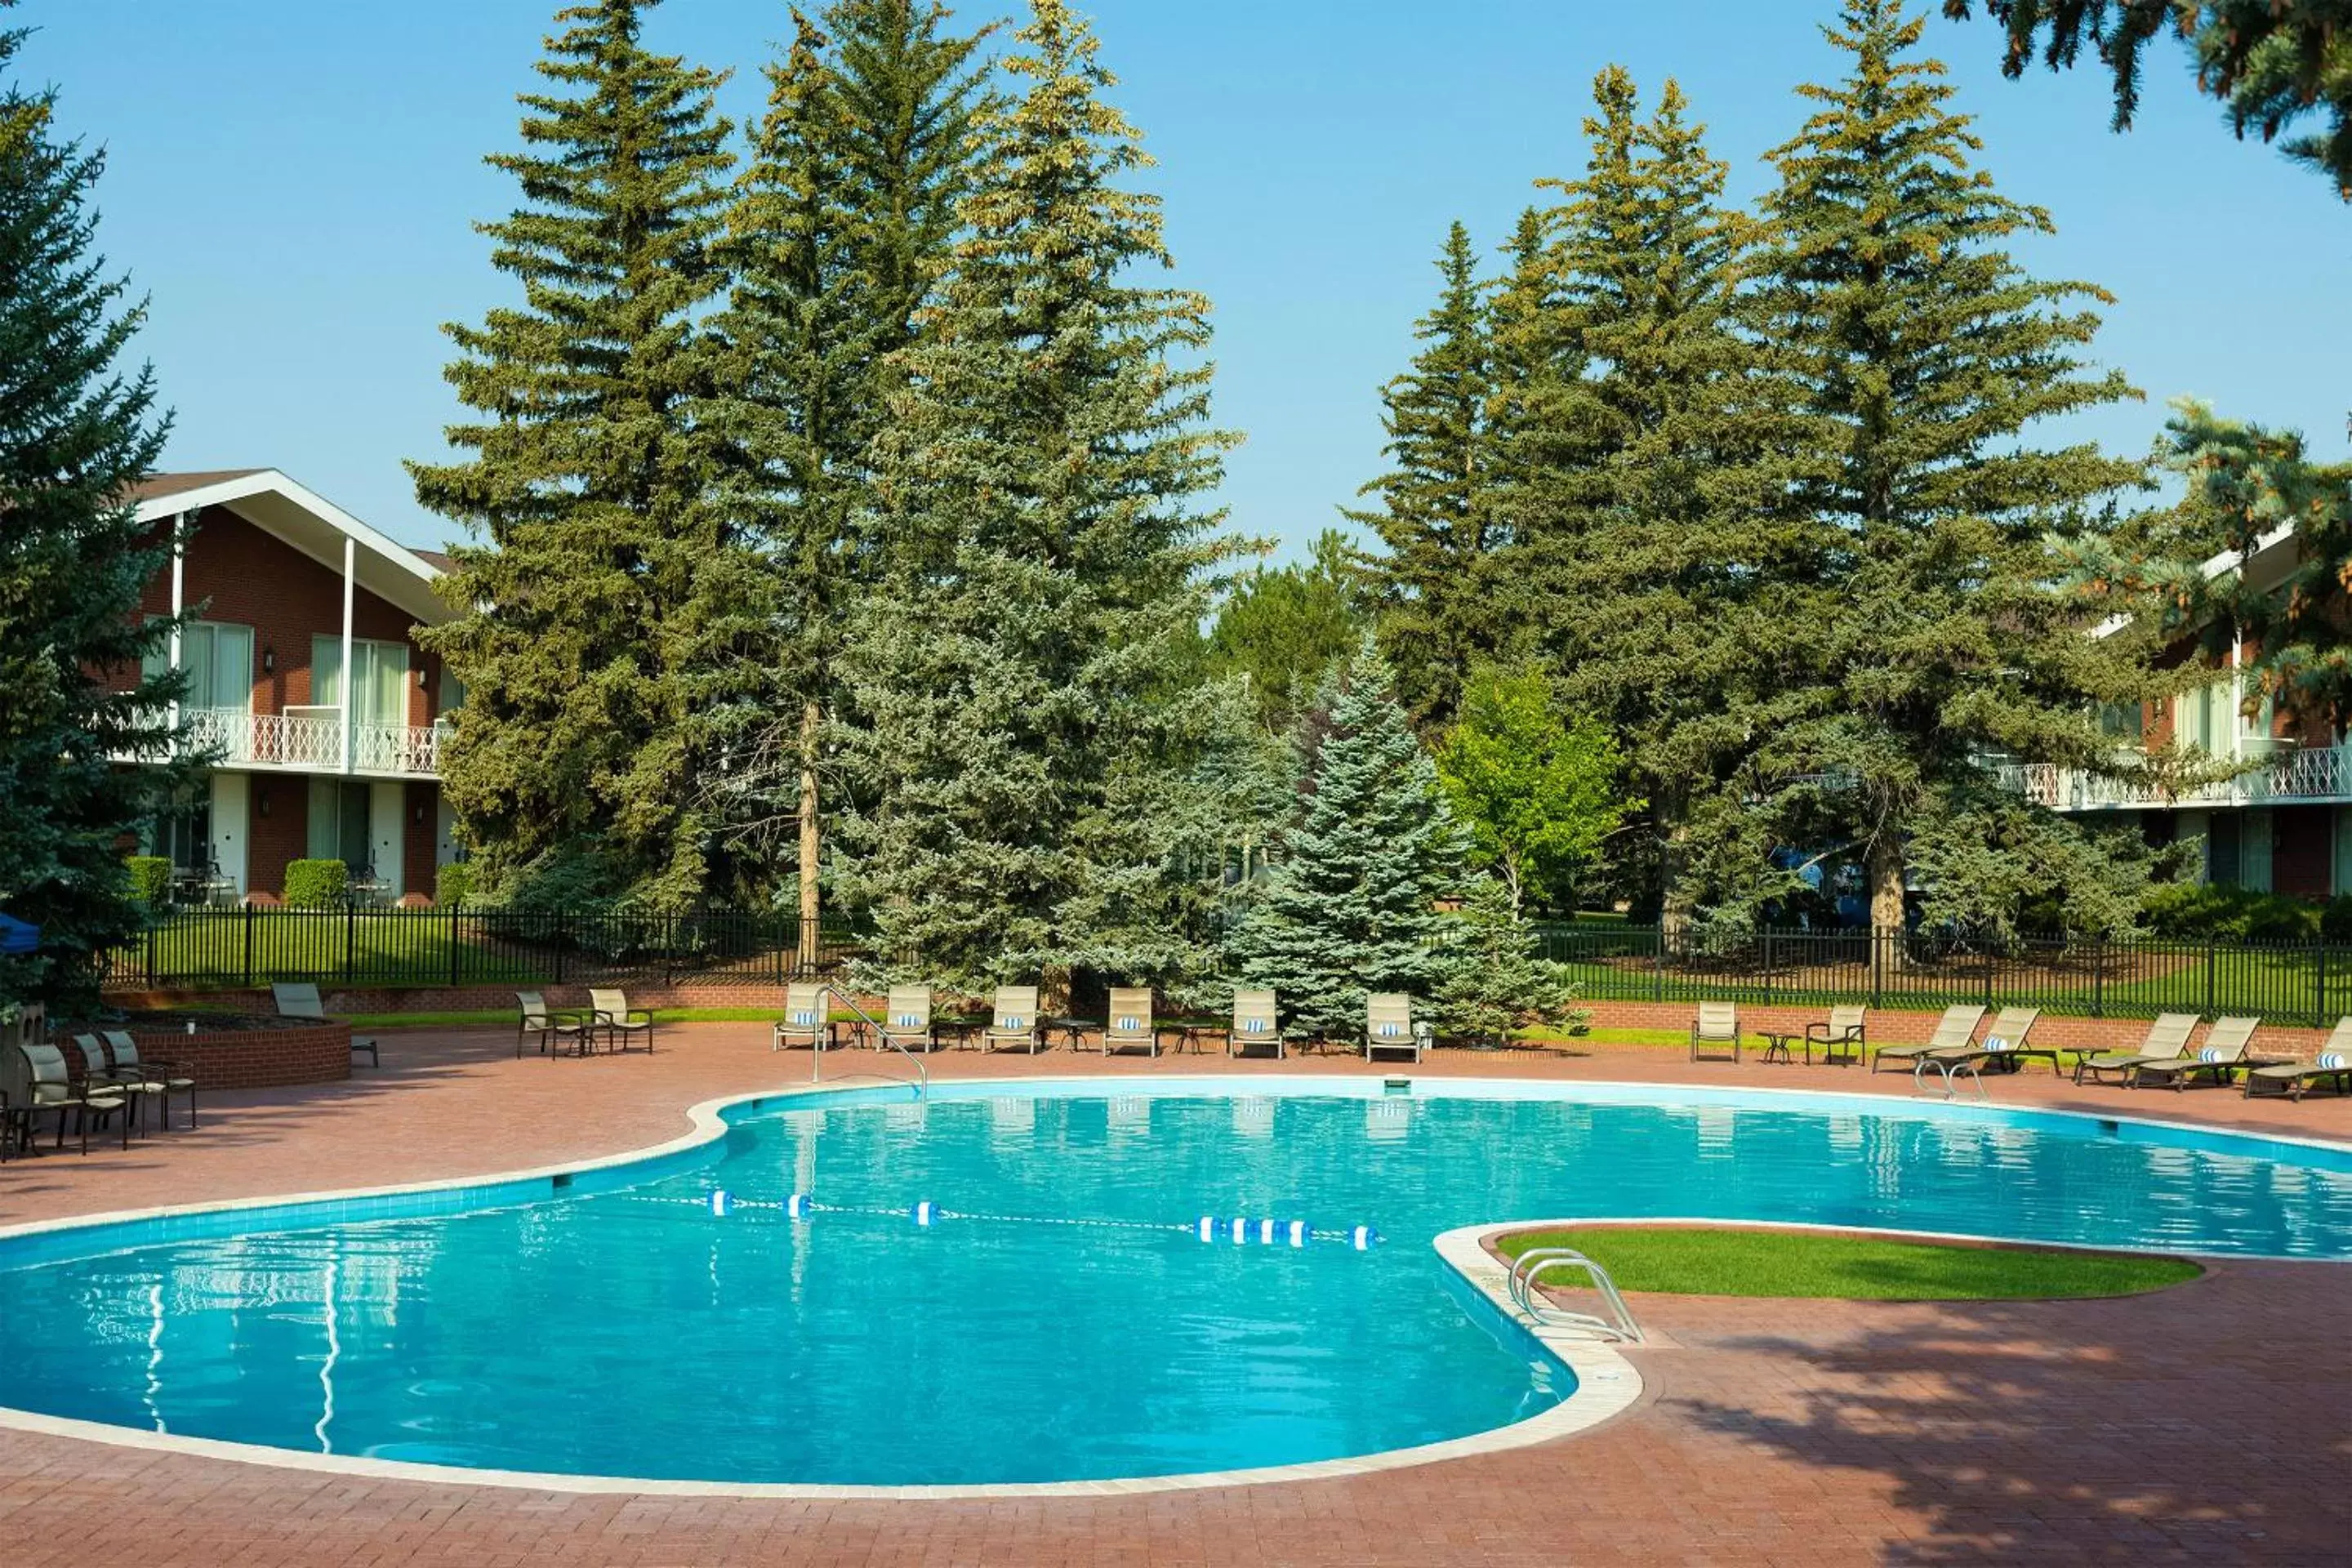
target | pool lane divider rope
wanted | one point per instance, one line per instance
(1238, 1230)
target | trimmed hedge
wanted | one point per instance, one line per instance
(2202, 913)
(316, 884)
(151, 880)
(453, 884)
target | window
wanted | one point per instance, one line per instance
(380, 687)
(219, 658)
(2123, 720)
(339, 822)
(183, 832)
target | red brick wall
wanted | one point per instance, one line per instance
(1888, 1027)
(422, 799)
(279, 837)
(253, 1058)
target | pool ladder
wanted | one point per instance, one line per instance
(1533, 1264)
(922, 1080)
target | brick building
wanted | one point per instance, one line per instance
(2282, 827)
(289, 592)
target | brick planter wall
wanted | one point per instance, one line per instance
(254, 1059)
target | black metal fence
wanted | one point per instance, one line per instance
(2092, 976)
(224, 948)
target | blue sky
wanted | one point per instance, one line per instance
(293, 183)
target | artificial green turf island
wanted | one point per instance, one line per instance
(1689, 1261)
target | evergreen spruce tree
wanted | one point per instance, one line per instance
(1650, 532)
(602, 619)
(840, 227)
(1017, 682)
(1496, 979)
(1436, 619)
(78, 427)
(1925, 357)
(1352, 907)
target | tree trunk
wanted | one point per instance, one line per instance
(811, 908)
(1883, 867)
(1673, 840)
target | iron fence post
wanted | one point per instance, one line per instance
(2099, 975)
(1768, 966)
(150, 953)
(453, 947)
(249, 947)
(1658, 967)
(2319, 988)
(2212, 960)
(351, 937)
(1877, 966)
(559, 947)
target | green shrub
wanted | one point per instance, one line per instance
(316, 884)
(2201, 913)
(453, 884)
(2336, 918)
(151, 880)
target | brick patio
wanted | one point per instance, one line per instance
(2158, 1430)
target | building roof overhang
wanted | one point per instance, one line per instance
(309, 522)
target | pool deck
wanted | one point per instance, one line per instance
(2209, 1423)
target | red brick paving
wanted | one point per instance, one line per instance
(2165, 1428)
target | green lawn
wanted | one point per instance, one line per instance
(1735, 1262)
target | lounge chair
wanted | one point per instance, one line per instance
(1256, 1023)
(1955, 1028)
(2167, 1037)
(1015, 1020)
(51, 1089)
(302, 1001)
(2001, 1048)
(620, 1022)
(807, 1021)
(2223, 1053)
(1716, 1025)
(1842, 1033)
(907, 1021)
(1129, 1023)
(168, 1078)
(535, 1019)
(2333, 1059)
(1387, 1025)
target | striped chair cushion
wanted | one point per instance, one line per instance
(805, 1018)
(1130, 1023)
(1392, 1028)
(2335, 1061)
(2209, 1054)
(908, 1020)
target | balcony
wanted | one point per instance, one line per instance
(2306, 774)
(311, 740)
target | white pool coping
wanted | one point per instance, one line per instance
(1607, 1382)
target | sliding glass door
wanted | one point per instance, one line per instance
(379, 683)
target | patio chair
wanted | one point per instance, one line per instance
(1387, 1025)
(171, 1077)
(302, 1001)
(807, 1019)
(1955, 1028)
(1716, 1025)
(907, 1020)
(2332, 1061)
(621, 1023)
(1130, 1022)
(2167, 1037)
(51, 1089)
(2223, 1053)
(1843, 1032)
(1015, 1020)
(534, 1019)
(2003, 1043)
(101, 1076)
(1256, 1023)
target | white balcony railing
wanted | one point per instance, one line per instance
(2313, 773)
(311, 739)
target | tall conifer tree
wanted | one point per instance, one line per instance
(840, 227)
(1435, 620)
(601, 617)
(1924, 357)
(78, 427)
(1016, 679)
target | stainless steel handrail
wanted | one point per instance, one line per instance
(922, 1073)
(1947, 1066)
(1532, 1264)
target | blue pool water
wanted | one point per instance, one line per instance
(619, 1327)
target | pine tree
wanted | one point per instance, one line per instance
(1925, 356)
(840, 226)
(600, 622)
(1352, 907)
(77, 429)
(1496, 980)
(1017, 681)
(1284, 630)
(1650, 530)
(1436, 619)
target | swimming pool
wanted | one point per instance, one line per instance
(1061, 1318)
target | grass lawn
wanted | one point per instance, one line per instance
(1735, 1262)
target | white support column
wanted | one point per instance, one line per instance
(349, 559)
(179, 594)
